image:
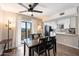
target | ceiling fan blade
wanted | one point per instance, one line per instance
(34, 5)
(23, 11)
(23, 5)
(37, 11)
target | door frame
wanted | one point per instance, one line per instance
(18, 31)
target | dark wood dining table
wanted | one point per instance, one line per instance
(30, 43)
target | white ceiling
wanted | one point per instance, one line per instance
(48, 9)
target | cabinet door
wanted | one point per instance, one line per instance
(73, 22)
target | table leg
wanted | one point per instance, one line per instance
(55, 47)
(24, 49)
(32, 52)
(29, 51)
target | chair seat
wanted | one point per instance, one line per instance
(39, 50)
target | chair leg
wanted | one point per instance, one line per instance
(45, 53)
(54, 51)
(32, 52)
(48, 53)
(38, 54)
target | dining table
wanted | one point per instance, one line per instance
(32, 43)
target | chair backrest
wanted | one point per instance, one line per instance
(35, 36)
(53, 39)
(42, 46)
(50, 41)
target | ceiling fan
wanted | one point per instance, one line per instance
(30, 8)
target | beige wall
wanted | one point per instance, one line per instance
(1, 25)
(4, 17)
(35, 26)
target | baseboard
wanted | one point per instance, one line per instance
(68, 45)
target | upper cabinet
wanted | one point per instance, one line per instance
(73, 22)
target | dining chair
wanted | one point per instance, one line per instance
(51, 44)
(41, 48)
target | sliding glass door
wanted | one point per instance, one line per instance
(26, 29)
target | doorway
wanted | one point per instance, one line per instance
(26, 30)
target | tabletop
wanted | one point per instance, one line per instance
(31, 43)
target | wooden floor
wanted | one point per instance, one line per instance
(62, 50)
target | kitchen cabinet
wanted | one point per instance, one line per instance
(73, 22)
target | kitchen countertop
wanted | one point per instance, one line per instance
(63, 33)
